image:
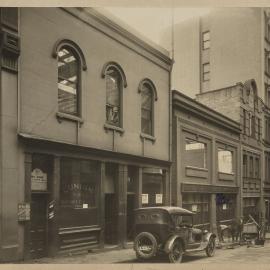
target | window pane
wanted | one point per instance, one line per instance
(206, 76)
(225, 161)
(146, 110)
(113, 86)
(206, 68)
(68, 68)
(78, 184)
(195, 153)
(206, 44)
(206, 72)
(206, 36)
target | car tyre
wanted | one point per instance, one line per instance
(176, 253)
(211, 247)
(149, 242)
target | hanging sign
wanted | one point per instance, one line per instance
(23, 211)
(158, 198)
(38, 180)
(144, 198)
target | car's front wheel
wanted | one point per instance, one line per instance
(176, 253)
(145, 245)
(211, 247)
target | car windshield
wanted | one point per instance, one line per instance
(181, 220)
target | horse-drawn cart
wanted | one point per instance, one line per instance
(252, 232)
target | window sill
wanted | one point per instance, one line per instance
(225, 176)
(197, 168)
(196, 172)
(108, 127)
(65, 116)
(148, 137)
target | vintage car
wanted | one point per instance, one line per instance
(169, 230)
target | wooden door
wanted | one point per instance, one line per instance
(38, 226)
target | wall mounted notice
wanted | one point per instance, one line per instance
(144, 198)
(158, 198)
(23, 211)
(38, 180)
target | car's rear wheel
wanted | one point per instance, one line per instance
(145, 245)
(176, 253)
(211, 247)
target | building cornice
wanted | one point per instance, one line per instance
(109, 27)
(183, 102)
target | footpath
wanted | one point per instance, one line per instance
(116, 255)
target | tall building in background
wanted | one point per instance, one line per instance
(213, 54)
(225, 46)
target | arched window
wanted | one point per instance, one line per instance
(113, 96)
(148, 95)
(115, 81)
(68, 81)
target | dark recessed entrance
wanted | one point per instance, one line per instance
(38, 226)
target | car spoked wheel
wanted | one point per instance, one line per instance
(176, 253)
(145, 245)
(211, 247)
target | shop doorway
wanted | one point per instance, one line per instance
(110, 232)
(130, 216)
(38, 226)
(225, 208)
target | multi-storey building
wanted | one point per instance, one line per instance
(240, 102)
(218, 50)
(85, 131)
(206, 173)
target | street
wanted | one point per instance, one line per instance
(238, 255)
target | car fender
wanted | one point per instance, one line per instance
(170, 241)
(209, 235)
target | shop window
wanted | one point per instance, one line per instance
(195, 153)
(206, 72)
(152, 189)
(225, 161)
(68, 81)
(206, 40)
(148, 95)
(79, 191)
(78, 183)
(199, 205)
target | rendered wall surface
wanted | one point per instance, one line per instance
(39, 85)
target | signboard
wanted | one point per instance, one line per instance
(194, 208)
(224, 206)
(23, 211)
(144, 198)
(38, 180)
(158, 198)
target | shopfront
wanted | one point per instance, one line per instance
(199, 204)
(79, 203)
(225, 208)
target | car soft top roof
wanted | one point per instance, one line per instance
(169, 209)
